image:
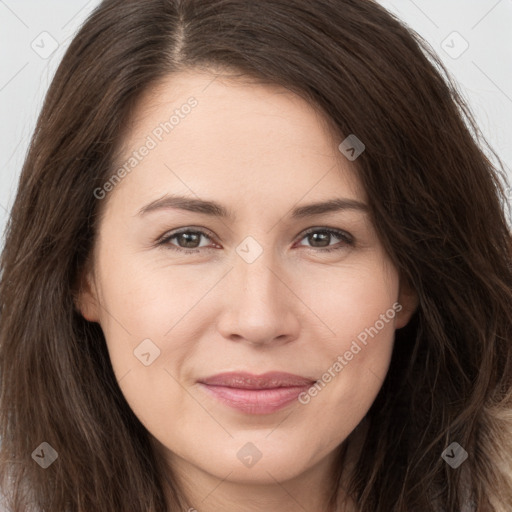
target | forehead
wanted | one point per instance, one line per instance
(214, 135)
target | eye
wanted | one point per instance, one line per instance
(323, 236)
(189, 240)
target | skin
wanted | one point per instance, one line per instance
(260, 151)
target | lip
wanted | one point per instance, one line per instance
(256, 394)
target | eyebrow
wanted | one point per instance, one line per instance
(215, 209)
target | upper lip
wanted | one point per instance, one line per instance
(244, 380)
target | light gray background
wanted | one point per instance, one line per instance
(29, 28)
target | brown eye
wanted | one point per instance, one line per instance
(321, 238)
(186, 240)
(189, 239)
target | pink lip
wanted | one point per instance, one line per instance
(256, 394)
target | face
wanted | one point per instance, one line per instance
(197, 306)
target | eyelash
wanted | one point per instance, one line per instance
(345, 237)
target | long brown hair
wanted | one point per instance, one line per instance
(436, 198)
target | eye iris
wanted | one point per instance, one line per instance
(320, 236)
(189, 238)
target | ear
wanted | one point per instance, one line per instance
(86, 297)
(408, 299)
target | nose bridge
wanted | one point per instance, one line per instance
(259, 307)
(255, 273)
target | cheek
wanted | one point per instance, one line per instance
(350, 299)
(352, 377)
(141, 320)
(141, 317)
(360, 309)
(147, 300)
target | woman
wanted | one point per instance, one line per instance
(173, 338)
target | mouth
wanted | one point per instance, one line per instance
(256, 394)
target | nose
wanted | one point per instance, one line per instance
(259, 306)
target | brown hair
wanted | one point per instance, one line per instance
(436, 199)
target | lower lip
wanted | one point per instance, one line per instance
(256, 401)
